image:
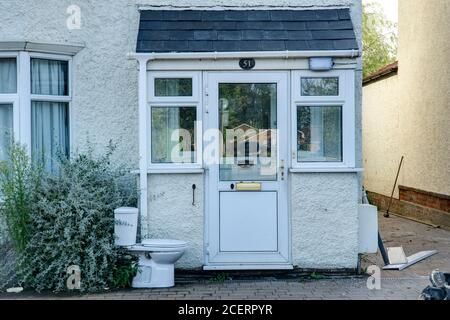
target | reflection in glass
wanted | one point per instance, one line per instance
(176, 87)
(320, 86)
(319, 134)
(6, 130)
(173, 134)
(248, 122)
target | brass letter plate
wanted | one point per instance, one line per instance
(249, 186)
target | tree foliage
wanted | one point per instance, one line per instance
(380, 39)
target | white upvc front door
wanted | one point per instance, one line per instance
(247, 219)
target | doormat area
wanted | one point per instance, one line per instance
(195, 276)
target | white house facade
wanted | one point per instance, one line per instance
(242, 119)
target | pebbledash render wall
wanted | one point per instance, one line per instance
(105, 107)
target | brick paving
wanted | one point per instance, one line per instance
(395, 285)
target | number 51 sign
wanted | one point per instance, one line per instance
(247, 63)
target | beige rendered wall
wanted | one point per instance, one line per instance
(420, 128)
(425, 93)
(381, 139)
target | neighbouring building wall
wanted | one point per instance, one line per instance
(424, 93)
(381, 138)
(409, 115)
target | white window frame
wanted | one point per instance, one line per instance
(13, 98)
(22, 99)
(345, 99)
(188, 101)
(51, 98)
(152, 76)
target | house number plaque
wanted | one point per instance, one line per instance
(247, 63)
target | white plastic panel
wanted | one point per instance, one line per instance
(248, 222)
(368, 229)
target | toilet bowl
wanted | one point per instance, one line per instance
(157, 258)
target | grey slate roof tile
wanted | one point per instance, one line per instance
(229, 35)
(205, 35)
(245, 30)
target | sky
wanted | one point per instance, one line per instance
(390, 8)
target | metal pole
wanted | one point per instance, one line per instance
(393, 189)
(383, 250)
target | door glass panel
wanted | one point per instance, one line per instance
(248, 123)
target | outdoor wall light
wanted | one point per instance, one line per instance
(320, 64)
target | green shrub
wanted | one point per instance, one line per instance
(71, 222)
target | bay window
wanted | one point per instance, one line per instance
(8, 102)
(8, 75)
(174, 112)
(42, 98)
(6, 129)
(323, 120)
(50, 98)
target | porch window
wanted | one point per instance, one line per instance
(175, 87)
(323, 119)
(173, 134)
(49, 111)
(316, 87)
(319, 134)
(174, 113)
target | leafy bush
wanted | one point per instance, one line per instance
(71, 222)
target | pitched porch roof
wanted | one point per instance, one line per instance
(245, 30)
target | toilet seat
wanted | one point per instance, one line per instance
(163, 244)
(160, 245)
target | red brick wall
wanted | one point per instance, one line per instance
(424, 198)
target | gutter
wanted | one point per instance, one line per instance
(243, 54)
(389, 70)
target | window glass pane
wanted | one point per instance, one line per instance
(8, 75)
(6, 130)
(173, 134)
(319, 134)
(180, 87)
(248, 122)
(49, 132)
(49, 77)
(320, 86)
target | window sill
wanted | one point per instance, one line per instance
(327, 170)
(172, 171)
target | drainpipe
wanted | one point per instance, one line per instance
(143, 129)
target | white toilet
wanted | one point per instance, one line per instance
(156, 262)
(157, 257)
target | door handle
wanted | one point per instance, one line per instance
(282, 169)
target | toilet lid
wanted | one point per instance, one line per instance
(163, 243)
